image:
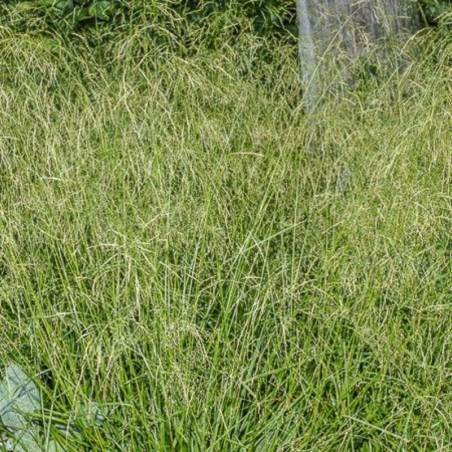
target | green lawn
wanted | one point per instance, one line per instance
(180, 243)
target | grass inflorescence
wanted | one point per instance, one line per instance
(182, 244)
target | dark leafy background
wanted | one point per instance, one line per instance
(174, 23)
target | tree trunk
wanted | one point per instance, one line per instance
(341, 30)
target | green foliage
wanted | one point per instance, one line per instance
(179, 25)
(185, 21)
(61, 15)
(22, 415)
(179, 241)
(435, 9)
(178, 237)
(438, 13)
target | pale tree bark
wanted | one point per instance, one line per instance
(341, 30)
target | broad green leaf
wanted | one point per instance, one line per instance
(101, 10)
(81, 14)
(49, 3)
(6, 443)
(14, 420)
(5, 399)
(18, 390)
(28, 442)
(95, 414)
(59, 4)
(54, 446)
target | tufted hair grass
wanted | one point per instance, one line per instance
(181, 243)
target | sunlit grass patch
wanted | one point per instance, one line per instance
(177, 245)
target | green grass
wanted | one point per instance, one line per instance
(175, 244)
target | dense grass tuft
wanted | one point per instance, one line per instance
(181, 243)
